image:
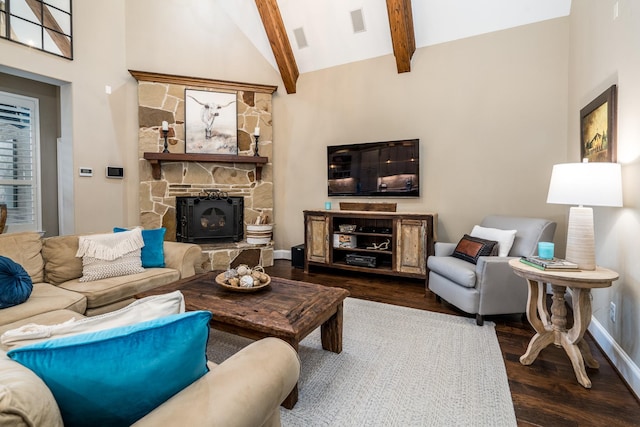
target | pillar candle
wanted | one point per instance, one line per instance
(165, 125)
(256, 131)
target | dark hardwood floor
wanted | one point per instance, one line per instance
(544, 394)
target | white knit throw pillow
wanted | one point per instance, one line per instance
(110, 255)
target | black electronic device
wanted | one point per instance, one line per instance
(374, 169)
(361, 260)
(297, 256)
(114, 172)
(379, 230)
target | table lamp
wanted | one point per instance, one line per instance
(593, 184)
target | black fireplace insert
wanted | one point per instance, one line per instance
(213, 218)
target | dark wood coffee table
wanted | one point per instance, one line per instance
(287, 309)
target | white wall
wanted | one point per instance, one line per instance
(605, 51)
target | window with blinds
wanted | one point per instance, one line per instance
(19, 188)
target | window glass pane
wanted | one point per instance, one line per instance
(51, 46)
(62, 21)
(26, 32)
(20, 203)
(21, 9)
(64, 5)
(3, 24)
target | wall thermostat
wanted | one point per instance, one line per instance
(115, 172)
(85, 172)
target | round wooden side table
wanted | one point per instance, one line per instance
(553, 329)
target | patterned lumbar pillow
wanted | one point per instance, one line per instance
(15, 283)
(110, 255)
(471, 248)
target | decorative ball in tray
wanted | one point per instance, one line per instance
(244, 279)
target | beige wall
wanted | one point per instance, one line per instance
(490, 112)
(95, 124)
(601, 55)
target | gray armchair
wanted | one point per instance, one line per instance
(490, 286)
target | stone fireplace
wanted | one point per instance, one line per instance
(178, 175)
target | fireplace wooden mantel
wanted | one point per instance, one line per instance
(156, 159)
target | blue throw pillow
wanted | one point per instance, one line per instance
(116, 376)
(15, 283)
(153, 249)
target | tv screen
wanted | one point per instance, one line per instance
(374, 169)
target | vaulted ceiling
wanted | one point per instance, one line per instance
(301, 36)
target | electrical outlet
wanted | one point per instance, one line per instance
(612, 312)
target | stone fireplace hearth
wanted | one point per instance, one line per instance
(161, 98)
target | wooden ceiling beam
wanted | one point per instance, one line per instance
(402, 34)
(277, 34)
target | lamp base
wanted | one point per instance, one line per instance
(581, 247)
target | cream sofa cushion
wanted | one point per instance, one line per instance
(25, 400)
(113, 289)
(44, 297)
(62, 263)
(24, 248)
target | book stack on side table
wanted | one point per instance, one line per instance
(554, 264)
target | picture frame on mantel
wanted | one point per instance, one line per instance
(598, 128)
(210, 122)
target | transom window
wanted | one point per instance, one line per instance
(44, 25)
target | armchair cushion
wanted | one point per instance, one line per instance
(470, 248)
(457, 270)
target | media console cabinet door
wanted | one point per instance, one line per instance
(411, 246)
(317, 239)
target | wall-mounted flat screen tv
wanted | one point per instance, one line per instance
(374, 169)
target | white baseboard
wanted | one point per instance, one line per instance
(282, 254)
(619, 358)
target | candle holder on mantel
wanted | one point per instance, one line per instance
(166, 144)
(257, 137)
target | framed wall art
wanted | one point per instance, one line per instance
(210, 122)
(598, 128)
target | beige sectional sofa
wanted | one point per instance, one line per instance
(55, 271)
(244, 390)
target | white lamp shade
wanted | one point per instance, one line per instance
(591, 184)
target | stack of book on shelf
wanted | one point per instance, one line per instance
(553, 264)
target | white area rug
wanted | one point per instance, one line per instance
(398, 367)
